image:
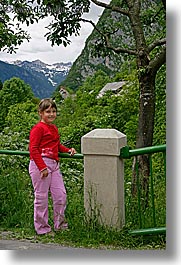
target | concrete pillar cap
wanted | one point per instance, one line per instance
(103, 142)
(104, 133)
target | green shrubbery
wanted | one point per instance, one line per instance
(78, 115)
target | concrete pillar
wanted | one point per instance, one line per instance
(104, 176)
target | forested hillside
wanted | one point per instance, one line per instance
(83, 111)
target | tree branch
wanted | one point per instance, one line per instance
(94, 25)
(156, 43)
(107, 42)
(118, 49)
(158, 61)
(111, 7)
(121, 50)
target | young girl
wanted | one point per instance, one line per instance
(44, 169)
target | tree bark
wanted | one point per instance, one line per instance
(144, 132)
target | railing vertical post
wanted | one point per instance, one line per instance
(104, 176)
(139, 193)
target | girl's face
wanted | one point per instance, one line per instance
(48, 115)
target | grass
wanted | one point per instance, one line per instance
(16, 216)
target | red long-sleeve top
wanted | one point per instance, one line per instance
(45, 142)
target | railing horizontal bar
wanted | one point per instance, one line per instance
(147, 231)
(26, 153)
(12, 152)
(66, 155)
(148, 150)
(125, 152)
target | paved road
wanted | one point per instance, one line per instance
(9, 243)
(25, 244)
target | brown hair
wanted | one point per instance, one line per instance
(46, 103)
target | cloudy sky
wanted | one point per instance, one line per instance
(39, 48)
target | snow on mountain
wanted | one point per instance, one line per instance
(43, 78)
(54, 73)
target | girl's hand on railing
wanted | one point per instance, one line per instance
(72, 151)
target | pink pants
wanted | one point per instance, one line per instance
(54, 184)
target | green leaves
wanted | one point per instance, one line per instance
(14, 91)
(11, 34)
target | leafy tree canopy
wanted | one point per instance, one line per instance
(11, 33)
(14, 91)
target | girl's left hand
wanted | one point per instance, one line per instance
(72, 151)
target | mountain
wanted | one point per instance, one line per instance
(43, 78)
(93, 57)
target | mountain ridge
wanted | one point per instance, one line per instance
(43, 78)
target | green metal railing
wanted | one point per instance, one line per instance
(127, 153)
(26, 153)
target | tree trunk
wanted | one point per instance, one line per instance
(144, 132)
